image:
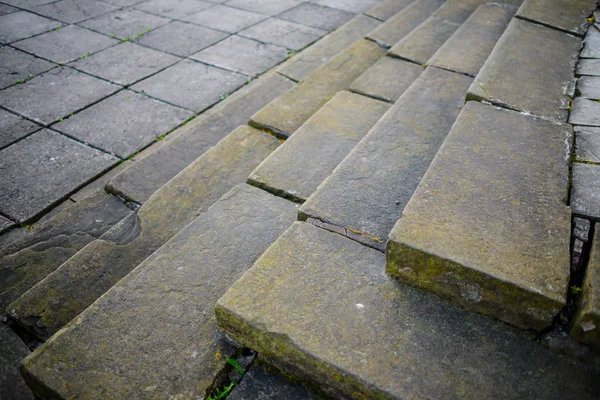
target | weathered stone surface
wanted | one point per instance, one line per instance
(40, 251)
(355, 6)
(587, 143)
(296, 169)
(400, 25)
(383, 170)
(569, 16)
(387, 79)
(12, 351)
(100, 182)
(27, 4)
(585, 193)
(266, 7)
(102, 263)
(13, 128)
(321, 307)
(23, 24)
(73, 11)
(299, 67)
(423, 41)
(225, 19)
(176, 289)
(589, 87)
(591, 48)
(283, 33)
(387, 9)
(181, 39)
(189, 142)
(5, 223)
(459, 10)
(16, 66)
(487, 227)
(125, 23)
(173, 8)
(588, 67)
(585, 112)
(530, 69)
(469, 47)
(52, 166)
(289, 111)
(6, 9)
(317, 16)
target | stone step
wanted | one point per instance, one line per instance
(387, 9)
(76, 284)
(284, 115)
(466, 51)
(531, 70)
(488, 227)
(298, 166)
(12, 351)
(40, 251)
(366, 193)
(178, 150)
(321, 307)
(569, 16)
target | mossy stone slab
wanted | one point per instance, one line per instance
(570, 16)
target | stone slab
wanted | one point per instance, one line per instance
(543, 80)
(567, 16)
(355, 6)
(17, 66)
(387, 79)
(28, 260)
(283, 33)
(23, 24)
(585, 112)
(27, 4)
(297, 167)
(305, 62)
(401, 24)
(226, 19)
(100, 182)
(5, 224)
(242, 55)
(265, 7)
(587, 143)
(321, 307)
(189, 142)
(55, 94)
(588, 67)
(317, 16)
(6, 9)
(367, 192)
(102, 263)
(125, 23)
(591, 47)
(423, 41)
(466, 51)
(477, 230)
(73, 11)
(175, 9)
(13, 128)
(44, 168)
(181, 39)
(12, 351)
(386, 9)
(588, 87)
(585, 193)
(289, 111)
(185, 277)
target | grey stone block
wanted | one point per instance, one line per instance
(13, 128)
(384, 169)
(6, 9)
(386, 9)
(585, 112)
(317, 16)
(99, 183)
(73, 11)
(283, 33)
(588, 67)
(591, 47)
(587, 141)
(589, 87)
(355, 6)
(265, 7)
(16, 66)
(585, 194)
(185, 277)
(125, 23)
(12, 351)
(225, 19)
(27, 4)
(459, 10)
(568, 16)
(5, 224)
(175, 9)
(23, 24)
(181, 39)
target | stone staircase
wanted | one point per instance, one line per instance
(439, 123)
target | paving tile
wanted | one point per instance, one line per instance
(23, 24)
(125, 23)
(355, 6)
(66, 44)
(386, 9)
(27, 4)
(588, 67)
(73, 11)
(589, 87)
(181, 39)
(12, 351)
(13, 128)
(317, 16)
(585, 194)
(585, 112)
(123, 3)
(283, 33)
(100, 183)
(191, 85)
(6, 9)
(225, 19)
(265, 7)
(55, 94)
(591, 46)
(125, 63)
(16, 66)
(587, 142)
(124, 123)
(5, 224)
(42, 169)
(569, 16)
(175, 9)
(242, 55)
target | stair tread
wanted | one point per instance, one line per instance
(565, 15)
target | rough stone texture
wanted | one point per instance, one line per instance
(12, 351)
(6, 9)
(591, 48)
(467, 50)
(387, 9)
(569, 16)
(242, 55)
(130, 122)
(383, 170)
(16, 66)
(73, 11)
(587, 143)
(5, 223)
(400, 25)
(40, 251)
(189, 142)
(387, 79)
(124, 24)
(580, 239)
(225, 19)
(423, 41)
(585, 112)
(589, 87)
(289, 111)
(588, 67)
(55, 94)
(51, 165)
(27, 4)
(585, 193)
(355, 6)
(530, 69)
(100, 182)
(102, 263)
(173, 8)
(283, 33)
(299, 67)
(317, 16)
(266, 7)
(185, 278)
(23, 24)
(13, 128)
(321, 307)
(296, 169)
(181, 39)
(487, 227)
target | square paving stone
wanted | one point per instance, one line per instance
(317, 16)
(225, 19)
(13, 128)
(589, 67)
(125, 63)
(173, 8)
(55, 94)
(355, 6)
(191, 84)
(242, 55)
(23, 24)
(43, 168)
(283, 33)
(265, 7)
(591, 46)
(28, 4)
(73, 11)
(585, 112)
(585, 195)
(124, 123)
(589, 87)
(588, 143)
(181, 38)
(16, 66)
(6, 9)
(125, 24)
(66, 44)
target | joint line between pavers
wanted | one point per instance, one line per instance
(287, 77)
(399, 57)
(545, 25)
(274, 191)
(370, 96)
(330, 227)
(451, 70)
